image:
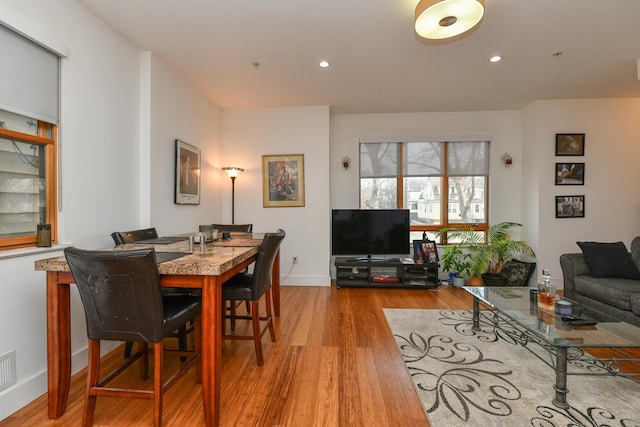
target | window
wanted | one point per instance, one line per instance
(443, 184)
(27, 179)
(29, 101)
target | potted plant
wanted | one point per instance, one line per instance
(488, 257)
(455, 260)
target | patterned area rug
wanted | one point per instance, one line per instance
(486, 378)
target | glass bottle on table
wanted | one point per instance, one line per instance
(546, 292)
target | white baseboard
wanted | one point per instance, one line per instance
(26, 391)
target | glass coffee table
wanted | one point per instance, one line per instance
(529, 324)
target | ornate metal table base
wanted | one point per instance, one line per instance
(558, 357)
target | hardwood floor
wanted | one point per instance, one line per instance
(334, 363)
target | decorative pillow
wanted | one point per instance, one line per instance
(609, 260)
(518, 272)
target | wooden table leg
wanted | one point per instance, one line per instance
(211, 348)
(275, 284)
(58, 344)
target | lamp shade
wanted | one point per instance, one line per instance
(232, 171)
(441, 19)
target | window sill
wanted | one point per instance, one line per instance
(22, 252)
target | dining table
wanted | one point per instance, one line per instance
(205, 267)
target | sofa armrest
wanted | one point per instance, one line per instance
(572, 265)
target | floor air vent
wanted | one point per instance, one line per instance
(7, 370)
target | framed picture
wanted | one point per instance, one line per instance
(187, 174)
(283, 180)
(569, 206)
(570, 144)
(425, 252)
(569, 173)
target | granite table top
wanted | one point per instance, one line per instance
(214, 259)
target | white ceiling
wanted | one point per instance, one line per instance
(378, 64)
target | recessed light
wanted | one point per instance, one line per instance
(325, 64)
(496, 58)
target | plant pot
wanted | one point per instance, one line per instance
(475, 281)
(458, 282)
(493, 279)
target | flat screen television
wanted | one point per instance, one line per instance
(369, 232)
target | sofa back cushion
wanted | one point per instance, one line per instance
(609, 260)
(635, 251)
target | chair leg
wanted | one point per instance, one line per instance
(143, 363)
(233, 315)
(182, 341)
(93, 376)
(257, 338)
(272, 331)
(128, 346)
(158, 354)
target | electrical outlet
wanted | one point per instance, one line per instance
(294, 260)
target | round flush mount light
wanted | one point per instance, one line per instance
(495, 58)
(325, 64)
(442, 19)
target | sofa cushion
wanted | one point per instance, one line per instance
(616, 292)
(609, 260)
(635, 303)
(518, 272)
(635, 251)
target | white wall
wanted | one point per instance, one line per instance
(612, 150)
(503, 128)
(249, 134)
(178, 111)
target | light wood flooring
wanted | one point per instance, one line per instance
(335, 363)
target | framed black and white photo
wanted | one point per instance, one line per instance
(187, 184)
(570, 206)
(569, 173)
(570, 144)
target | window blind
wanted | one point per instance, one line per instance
(28, 78)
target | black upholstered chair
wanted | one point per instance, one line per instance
(122, 299)
(238, 228)
(122, 237)
(252, 287)
(241, 228)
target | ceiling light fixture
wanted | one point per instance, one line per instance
(496, 58)
(441, 19)
(325, 64)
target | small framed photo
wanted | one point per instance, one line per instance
(569, 173)
(570, 206)
(425, 252)
(283, 181)
(570, 144)
(187, 184)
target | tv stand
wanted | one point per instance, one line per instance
(367, 258)
(385, 273)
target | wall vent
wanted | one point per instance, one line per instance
(7, 370)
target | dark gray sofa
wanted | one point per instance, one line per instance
(619, 298)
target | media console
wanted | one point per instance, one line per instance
(384, 273)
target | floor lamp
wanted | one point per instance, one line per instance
(233, 172)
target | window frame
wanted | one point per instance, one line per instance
(444, 203)
(48, 137)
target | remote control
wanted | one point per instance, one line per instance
(582, 322)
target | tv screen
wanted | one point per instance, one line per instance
(370, 232)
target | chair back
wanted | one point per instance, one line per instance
(245, 228)
(120, 292)
(122, 237)
(264, 263)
